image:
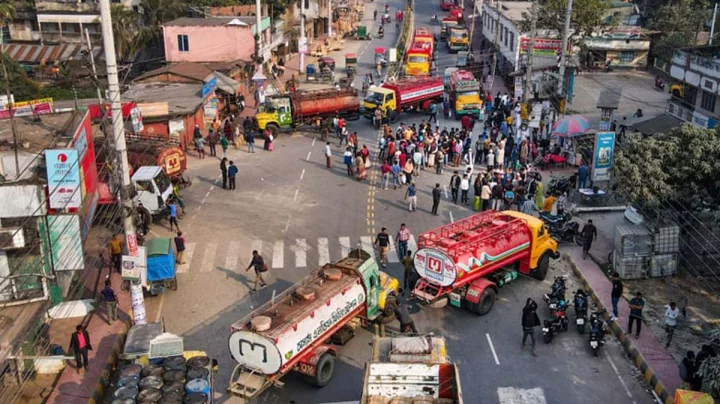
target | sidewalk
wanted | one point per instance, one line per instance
(657, 366)
(106, 341)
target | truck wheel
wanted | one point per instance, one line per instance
(324, 370)
(485, 304)
(393, 116)
(390, 306)
(273, 128)
(172, 283)
(541, 270)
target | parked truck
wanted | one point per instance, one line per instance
(293, 110)
(467, 261)
(458, 39)
(289, 332)
(465, 94)
(407, 94)
(418, 59)
(411, 370)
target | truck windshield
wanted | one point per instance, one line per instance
(268, 107)
(374, 98)
(469, 93)
(162, 181)
(417, 59)
(458, 34)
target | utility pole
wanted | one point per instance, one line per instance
(121, 163)
(712, 26)
(563, 51)
(329, 19)
(495, 42)
(531, 45)
(303, 41)
(10, 106)
(472, 25)
(258, 31)
(94, 70)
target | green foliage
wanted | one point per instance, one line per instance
(22, 87)
(680, 21)
(155, 13)
(124, 27)
(60, 93)
(681, 167)
(710, 372)
(587, 15)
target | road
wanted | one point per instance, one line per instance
(299, 215)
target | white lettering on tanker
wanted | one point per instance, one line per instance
(338, 314)
(435, 266)
(423, 92)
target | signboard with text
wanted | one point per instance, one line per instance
(542, 46)
(63, 176)
(603, 156)
(28, 108)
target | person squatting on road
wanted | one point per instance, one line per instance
(258, 263)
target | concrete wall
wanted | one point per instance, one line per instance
(209, 43)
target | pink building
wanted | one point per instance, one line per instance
(217, 39)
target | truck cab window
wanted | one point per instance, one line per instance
(145, 186)
(390, 97)
(373, 281)
(282, 110)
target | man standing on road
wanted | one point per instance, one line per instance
(115, 247)
(259, 264)
(433, 112)
(110, 300)
(80, 345)
(671, 315)
(616, 294)
(589, 234)
(180, 248)
(408, 271)
(173, 214)
(145, 218)
(224, 145)
(250, 139)
(328, 155)
(464, 188)
(530, 320)
(583, 174)
(382, 241)
(232, 172)
(636, 307)
(402, 237)
(436, 193)
(411, 197)
(348, 159)
(224, 171)
(455, 186)
(212, 143)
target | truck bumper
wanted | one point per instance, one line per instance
(473, 112)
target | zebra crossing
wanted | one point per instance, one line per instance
(298, 253)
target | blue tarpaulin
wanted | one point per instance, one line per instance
(160, 259)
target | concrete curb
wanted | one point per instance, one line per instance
(591, 209)
(99, 394)
(637, 357)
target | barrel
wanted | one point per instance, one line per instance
(174, 363)
(197, 373)
(153, 382)
(198, 362)
(130, 370)
(195, 398)
(173, 388)
(197, 386)
(149, 395)
(128, 381)
(171, 398)
(126, 393)
(152, 370)
(124, 401)
(175, 375)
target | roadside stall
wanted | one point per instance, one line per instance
(351, 63)
(159, 273)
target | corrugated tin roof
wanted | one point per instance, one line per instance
(610, 98)
(37, 54)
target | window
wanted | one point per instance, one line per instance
(506, 38)
(708, 101)
(627, 57)
(183, 45)
(512, 40)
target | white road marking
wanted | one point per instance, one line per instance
(446, 192)
(301, 249)
(492, 348)
(212, 187)
(345, 246)
(412, 245)
(392, 251)
(189, 250)
(209, 258)
(308, 157)
(313, 143)
(199, 206)
(513, 395)
(233, 250)
(618, 375)
(278, 259)
(323, 251)
(452, 220)
(296, 194)
(207, 194)
(302, 174)
(367, 244)
(287, 225)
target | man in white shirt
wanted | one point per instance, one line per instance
(671, 315)
(464, 187)
(328, 155)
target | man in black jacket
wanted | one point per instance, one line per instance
(455, 186)
(224, 171)
(530, 320)
(80, 344)
(407, 325)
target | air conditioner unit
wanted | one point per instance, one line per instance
(11, 238)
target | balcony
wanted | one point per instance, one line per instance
(54, 37)
(24, 36)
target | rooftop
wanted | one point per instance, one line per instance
(211, 22)
(513, 10)
(610, 98)
(711, 52)
(42, 132)
(194, 71)
(181, 98)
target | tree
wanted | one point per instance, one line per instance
(710, 371)
(680, 21)
(21, 87)
(155, 13)
(124, 27)
(587, 15)
(681, 168)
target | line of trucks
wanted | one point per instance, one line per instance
(464, 263)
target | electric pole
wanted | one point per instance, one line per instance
(258, 30)
(531, 45)
(712, 26)
(303, 41)
(563, 51)
(94, 71)
(495, 42)
(329, 19)
(121, 164)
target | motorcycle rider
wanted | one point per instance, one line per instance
(659, 82)
(530, 320)
(381, 31)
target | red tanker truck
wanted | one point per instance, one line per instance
(293, 110)
(408, 94)
(467, 261)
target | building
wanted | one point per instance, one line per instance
(217, 39)
(624, 46)
(65, 21)
(695, 96)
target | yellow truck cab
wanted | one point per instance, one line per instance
(380, 97)
(458, 40)
(540, 238)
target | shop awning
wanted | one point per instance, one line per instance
(41, 54)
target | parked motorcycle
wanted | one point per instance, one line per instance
(556, 323)
(555, 222)
(558, 185)
(566, 233)
(556, 297)
(581, 310)
(596, 336)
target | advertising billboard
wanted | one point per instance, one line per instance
(603, 156)
(28, 108)
(83, 143)
(65, 242)
(543, 47)
(63, 176)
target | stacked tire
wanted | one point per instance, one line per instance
(197, 387)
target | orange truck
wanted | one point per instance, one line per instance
(466, 262)
(421, 53)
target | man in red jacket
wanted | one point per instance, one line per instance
(80, 344)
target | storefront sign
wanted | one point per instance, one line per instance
(542, 46)
(65, 242)
(63, 175)
(209, 87)
(28, 108)
(136, 117)
(603, 156)
(211, 107)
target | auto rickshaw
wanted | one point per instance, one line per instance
(362, 33)
(326, 61)
(351, 62)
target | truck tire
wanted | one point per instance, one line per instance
(324, 370)
(273, 128)
(485, 304)
(541, 270)
(390, 306)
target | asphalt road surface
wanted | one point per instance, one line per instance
(299, 215)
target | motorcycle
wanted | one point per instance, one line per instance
(381, 34)
(555, 222)
(659, 85)
(596, 336)
(558, 185)
(555, 324)
(566, 233)
(556, 297)
(581, 310)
